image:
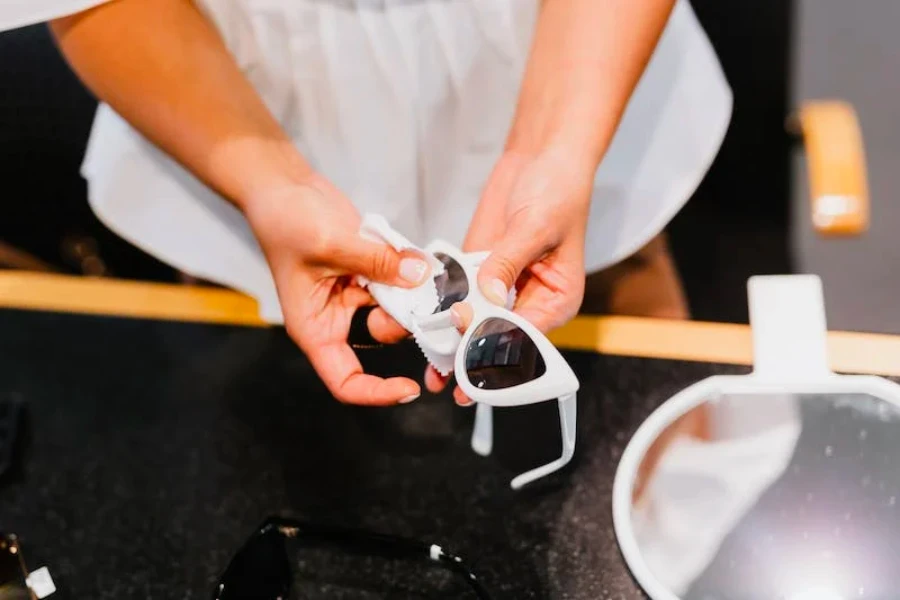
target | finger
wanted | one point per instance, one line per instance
(544, 320)
(377, 262)
(383, 327)
(461, 313)
(489, 220)
(534, 304)
(488, 224)
(461, 399)
(550, 277)
(355, 296)
(434, 381)
(521, 246)
(548, 298)
(342, 374)
(369, 390)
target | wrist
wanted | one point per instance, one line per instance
(559, 129)
(263, 167)
(573, 170)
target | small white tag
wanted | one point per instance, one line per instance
(41, 583)
(435, 552)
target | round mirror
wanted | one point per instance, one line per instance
(765, 495)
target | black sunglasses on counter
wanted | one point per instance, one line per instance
(261, 569)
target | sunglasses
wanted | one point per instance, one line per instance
(501, 360)
(261, 569)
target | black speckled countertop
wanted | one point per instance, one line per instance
(155, 449)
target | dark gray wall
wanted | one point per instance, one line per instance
(737, 223)
(851, 50)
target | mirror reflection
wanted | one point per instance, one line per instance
(500, 356)
(791, 497)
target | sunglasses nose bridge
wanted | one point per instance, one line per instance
(435, 322)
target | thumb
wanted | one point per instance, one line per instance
(512, 254)
(379, 262)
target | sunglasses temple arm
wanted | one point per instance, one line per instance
(363, 541)
(483, 432)
(568, 411)
(455, 564)
(383, 545)
(386, 545)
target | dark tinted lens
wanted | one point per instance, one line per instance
(500, 355)
(259, 571)
(12, 573)
(452, 284)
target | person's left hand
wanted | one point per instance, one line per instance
(532, 217)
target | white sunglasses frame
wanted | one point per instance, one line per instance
(557, 382)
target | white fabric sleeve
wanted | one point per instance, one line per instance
(19, 13)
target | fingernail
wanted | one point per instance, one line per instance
(413, 269)
(409, 399)
(456, 318)
(496, 292)
(465, 402)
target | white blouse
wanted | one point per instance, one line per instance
(405, 105)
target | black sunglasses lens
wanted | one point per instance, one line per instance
(452, 284)
(259, 571)
(500, 355)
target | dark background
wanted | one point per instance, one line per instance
(734, 227)
(141, 482)
(737, 223)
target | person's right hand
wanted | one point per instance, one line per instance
(309, 234)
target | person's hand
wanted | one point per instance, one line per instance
(309, 234)
(532, 217)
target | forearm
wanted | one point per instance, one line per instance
(164, 68)
(586, 59)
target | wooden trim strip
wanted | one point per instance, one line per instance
(65, 293)
(849, 352)
(624, 336)
(658, 338)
